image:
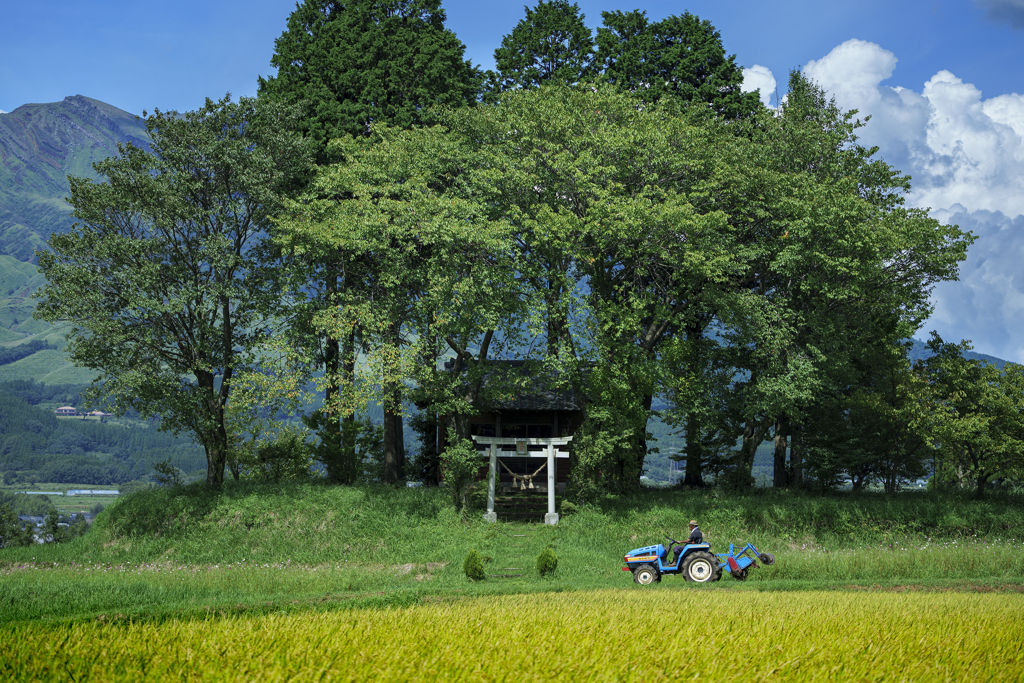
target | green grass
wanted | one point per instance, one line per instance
(310, 545)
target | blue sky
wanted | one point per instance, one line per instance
(943, 82)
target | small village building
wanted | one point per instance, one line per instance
(66, 411)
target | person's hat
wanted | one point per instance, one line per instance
(693, 522)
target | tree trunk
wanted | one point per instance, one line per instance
(639, 446)
(781, 438)
(347, 447)
(694, 455)
(982, 480)
(393, 450)
(214, 437)
(796, 472)
(753, 435)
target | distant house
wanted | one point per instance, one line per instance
(68, 411)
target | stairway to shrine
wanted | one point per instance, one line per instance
(512, 549)
(514, 505)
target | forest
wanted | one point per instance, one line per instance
(37, 446)
(609, 207)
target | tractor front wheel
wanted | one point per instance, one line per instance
(701, 567)
(645, 575)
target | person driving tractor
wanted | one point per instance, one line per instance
(695, 537)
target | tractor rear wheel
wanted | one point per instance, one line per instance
(645, 575)
(701, 567)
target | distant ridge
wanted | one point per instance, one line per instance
(920, 351)
(40, 145)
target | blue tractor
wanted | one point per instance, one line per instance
(695, 562)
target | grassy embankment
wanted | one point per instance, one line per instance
(264, 548)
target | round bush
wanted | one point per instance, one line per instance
(474, 566)
(547, 561)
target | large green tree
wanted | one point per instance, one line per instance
(981, 433)
(680, 57)
(437, 275)
(550, 44)
(369, 61)
(354, 65)
(163, 279)
(835, 263)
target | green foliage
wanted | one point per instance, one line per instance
(163, 281)
(680, 58)
(425, 466)
(12, 531)
(37, 446)
(369, 61)
(547, 561)
(980, 426)
(460, 464)
(16, 353)
(286, 455)
(167, 474)
(567, 507)
(551, 44)
(356, 453)
(51, 526)
(473, 566)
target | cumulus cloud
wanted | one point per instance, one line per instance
(987, 304)
(965, 154)
(759, 78)
(2, 111)
(1005, 11)
(959, 147)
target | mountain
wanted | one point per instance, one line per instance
(919, 351)
(40, 145)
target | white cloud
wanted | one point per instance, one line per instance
(759, 78)
(965, 154)
(2, 111)
(987, 304)
(959, 147)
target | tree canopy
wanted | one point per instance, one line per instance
(163, 280)
(369, 61)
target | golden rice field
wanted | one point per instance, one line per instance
(613, 635)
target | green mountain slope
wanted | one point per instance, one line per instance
(40, 145)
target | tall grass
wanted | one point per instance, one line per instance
(178, 551)
(600, 636)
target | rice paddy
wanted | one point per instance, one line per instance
(608, 635)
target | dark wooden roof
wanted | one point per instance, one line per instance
(531, 388)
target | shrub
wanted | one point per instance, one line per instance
(460, 463)
(568, 507)
(286, 455)
(12, 532)
(474, 566)
(547, 561)
(167, 474)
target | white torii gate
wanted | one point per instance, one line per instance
(522, 451)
